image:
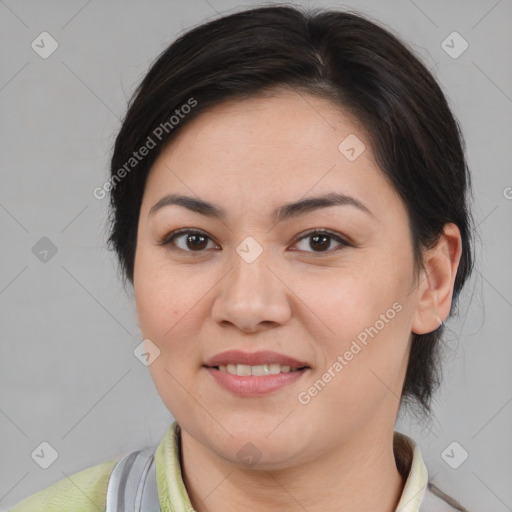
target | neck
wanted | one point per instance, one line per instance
(359, 474)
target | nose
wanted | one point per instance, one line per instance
(252, 296)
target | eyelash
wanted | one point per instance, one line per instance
(168, 240)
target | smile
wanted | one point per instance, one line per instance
(258, 370)
(249, 383)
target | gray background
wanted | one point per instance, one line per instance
(68, 375)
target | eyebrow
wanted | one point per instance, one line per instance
(282, 213)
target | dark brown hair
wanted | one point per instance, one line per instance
(341, 56)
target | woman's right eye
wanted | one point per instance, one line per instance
(187, 240)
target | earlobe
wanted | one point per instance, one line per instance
(435, 289)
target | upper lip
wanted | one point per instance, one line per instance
(253, 359)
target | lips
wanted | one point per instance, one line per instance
(255, 386)
(254, 359)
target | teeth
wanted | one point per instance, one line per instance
(260, 369)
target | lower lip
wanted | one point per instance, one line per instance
(251, 386)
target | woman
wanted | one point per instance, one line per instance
(289, 200)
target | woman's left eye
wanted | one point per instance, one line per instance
(322, 239)
(196, 241)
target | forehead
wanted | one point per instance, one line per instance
(281, 145)
(281, 119)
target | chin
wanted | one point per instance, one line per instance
(263, 455)
(255, 449)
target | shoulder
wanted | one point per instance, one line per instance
(85, 491)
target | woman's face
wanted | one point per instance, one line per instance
(341, 304)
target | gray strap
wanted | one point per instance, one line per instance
(436, 500)
(150, 501)
(132, 484)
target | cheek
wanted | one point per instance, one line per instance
(363, 319)
(171, 309)
(346, 300)
(163, 295)
(165, 311)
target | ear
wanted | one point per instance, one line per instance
(436, 283)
